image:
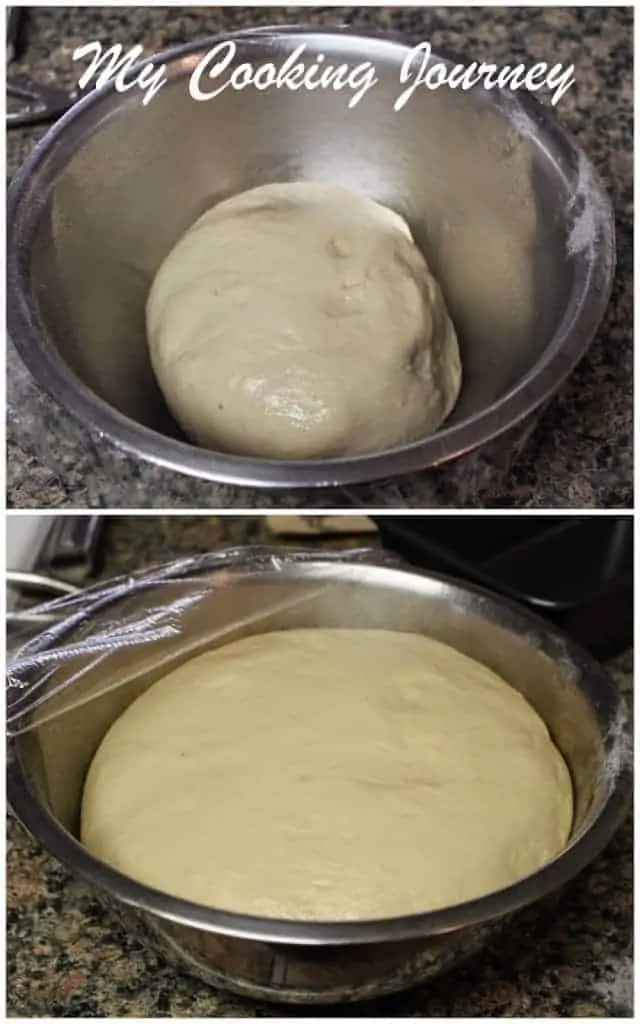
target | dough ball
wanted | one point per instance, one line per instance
(328, 774)
(300, 321)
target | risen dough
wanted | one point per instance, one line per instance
(301, 321)
(328, 774)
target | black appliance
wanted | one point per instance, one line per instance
(576, 571)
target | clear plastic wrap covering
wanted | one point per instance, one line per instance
(88, 640)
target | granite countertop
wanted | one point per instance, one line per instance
(579, 454)
(67, 958)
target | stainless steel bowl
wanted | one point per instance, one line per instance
(506, 207)
(300, 962)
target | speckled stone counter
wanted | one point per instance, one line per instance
(579, 454)
(66, 958)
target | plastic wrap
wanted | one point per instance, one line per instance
(80, 651)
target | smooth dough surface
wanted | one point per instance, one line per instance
(300, 321)
(328, 774)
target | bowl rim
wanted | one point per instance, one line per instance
(38, 820)
(595, 271)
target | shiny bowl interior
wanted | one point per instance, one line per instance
(328, 962)
(505, 207)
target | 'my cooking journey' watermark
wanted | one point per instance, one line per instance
(218, 71)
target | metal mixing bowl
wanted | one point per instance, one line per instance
(301, 962)
(507, 209)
